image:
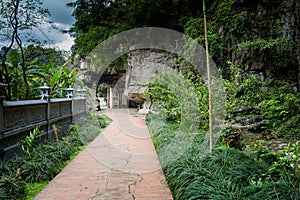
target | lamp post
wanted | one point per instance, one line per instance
(70, 92)
(45, 92)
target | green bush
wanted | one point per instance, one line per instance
(231, 136)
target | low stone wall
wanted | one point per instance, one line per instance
(18, 118)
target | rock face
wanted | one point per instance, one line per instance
(142, 65)
(262, 37)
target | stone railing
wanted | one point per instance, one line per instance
(18, 118)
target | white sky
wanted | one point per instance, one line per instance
(61, 15)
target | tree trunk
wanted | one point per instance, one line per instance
(23, 65)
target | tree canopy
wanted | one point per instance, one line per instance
(98, 20)
(260, 36)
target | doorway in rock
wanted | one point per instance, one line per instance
(133, 104)
(103, 96)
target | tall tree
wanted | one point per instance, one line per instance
(17, 18)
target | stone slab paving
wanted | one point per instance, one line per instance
(119, 164)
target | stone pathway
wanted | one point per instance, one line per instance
(119, 164)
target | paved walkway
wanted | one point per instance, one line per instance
(119, 164)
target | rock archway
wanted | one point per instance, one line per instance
(126, 87)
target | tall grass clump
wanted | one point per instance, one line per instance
(40, 163)
(11, 184)
(92, 127)
(227, 173)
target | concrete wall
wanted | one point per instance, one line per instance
(18, 118)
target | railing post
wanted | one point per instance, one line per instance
(45, 95)
(78, 93)
(2, 97)
(70, 95)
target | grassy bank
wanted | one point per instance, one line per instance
(227, 173)
(24, 176)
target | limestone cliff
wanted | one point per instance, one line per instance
(142, 65)
(261, 37)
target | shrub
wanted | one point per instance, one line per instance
(102, 121)
(44, 162)
(11, 186)
(28, 142)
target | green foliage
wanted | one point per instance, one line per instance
(92, 127)
(289, 129)
(159, 92)
(224, 174)
(40, 55)
(231, 136)
(41, 68)
(162, 134)
(227, 173)
(42, 163)
(182, 99)
(248, 33)
(272, 98)
(32, 189)
(98, 20)
(288, 164)
(260, 44)
(278, 51)
(222, 9)
(73, 135)
(102, 121)
(16, 23)
(37, 169)
(194, 28)
(28, 142)
(102, 90)
(11, 186)
(62, 79)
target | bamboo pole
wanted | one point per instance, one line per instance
(208, 82)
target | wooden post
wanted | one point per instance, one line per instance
(208, 82)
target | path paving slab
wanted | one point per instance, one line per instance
(120, 164)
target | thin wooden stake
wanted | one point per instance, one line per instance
(208, 82)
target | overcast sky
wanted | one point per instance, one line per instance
(61, 15)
